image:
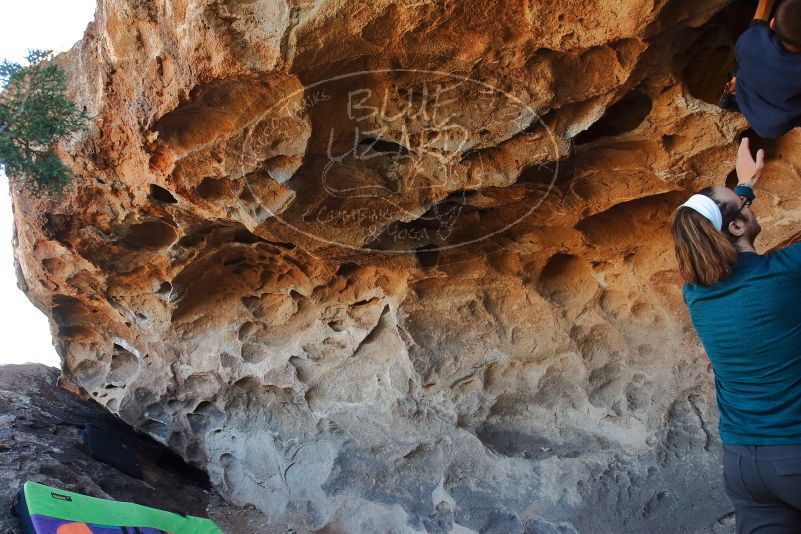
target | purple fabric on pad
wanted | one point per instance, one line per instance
(43, 524)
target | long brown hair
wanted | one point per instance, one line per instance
(705, 255)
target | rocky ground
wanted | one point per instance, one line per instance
(41, 427)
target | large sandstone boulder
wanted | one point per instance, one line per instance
(42, 439)
(402, 266)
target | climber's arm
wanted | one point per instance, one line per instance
(764, 10)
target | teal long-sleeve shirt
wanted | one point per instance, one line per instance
(750, 327)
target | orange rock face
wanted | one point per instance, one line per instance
(402, 266)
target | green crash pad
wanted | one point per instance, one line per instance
(46, 510)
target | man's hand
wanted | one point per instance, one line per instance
(731, 86)
(748, 169)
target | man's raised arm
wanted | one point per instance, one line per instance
(764, 10)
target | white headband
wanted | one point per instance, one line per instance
(706, 207)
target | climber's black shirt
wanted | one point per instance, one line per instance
(768, 81)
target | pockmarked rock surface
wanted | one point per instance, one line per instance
(42, 431)
(403, 266)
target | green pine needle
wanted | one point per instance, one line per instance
(34, 115)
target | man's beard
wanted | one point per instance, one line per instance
(756, 229)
